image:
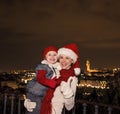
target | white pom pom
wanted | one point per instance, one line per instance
(77, 71)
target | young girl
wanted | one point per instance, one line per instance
(46, 73)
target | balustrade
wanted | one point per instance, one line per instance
(13, 104)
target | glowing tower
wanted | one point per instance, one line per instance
(88, 69)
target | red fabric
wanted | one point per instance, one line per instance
(76, 64)
(46, 104)
(49, 48)
(65, 74)
(41, 78)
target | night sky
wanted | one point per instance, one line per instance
(28, 26)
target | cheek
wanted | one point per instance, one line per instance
(69, 64)
(46, 58)
(70, 61)
(56, 58)
(60, 60)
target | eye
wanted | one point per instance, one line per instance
(68, 58)
(49, 54)
(55, 55)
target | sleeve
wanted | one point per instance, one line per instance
(41, 78)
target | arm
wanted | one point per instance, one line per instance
(41, 78)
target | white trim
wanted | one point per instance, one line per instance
(69, 53)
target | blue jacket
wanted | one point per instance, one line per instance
(36, 91)
(36, 88)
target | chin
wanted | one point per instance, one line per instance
(65, 67)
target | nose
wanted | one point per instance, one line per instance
(63, 60)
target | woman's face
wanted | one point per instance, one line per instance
(65, 61)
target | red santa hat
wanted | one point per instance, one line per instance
(49, 48)
(71, 50)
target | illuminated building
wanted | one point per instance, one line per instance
(96, 72)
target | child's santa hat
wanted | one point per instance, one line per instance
(71, 50)
(49, 48)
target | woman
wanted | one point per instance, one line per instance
(64, 94)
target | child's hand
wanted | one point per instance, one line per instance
(29, 105)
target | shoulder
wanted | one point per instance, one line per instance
(42, 67)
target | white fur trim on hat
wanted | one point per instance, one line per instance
(69, 53)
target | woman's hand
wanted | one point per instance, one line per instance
(66, 89)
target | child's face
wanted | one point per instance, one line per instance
(51, 57)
